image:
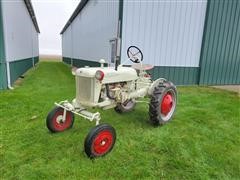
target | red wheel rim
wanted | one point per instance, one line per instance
(167, 104)
(58, 123)
(103, 142)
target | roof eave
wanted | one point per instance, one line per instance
(74, 15)
(32, 14)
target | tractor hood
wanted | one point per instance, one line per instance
(110, 74)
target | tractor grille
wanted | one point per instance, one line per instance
(84, 89)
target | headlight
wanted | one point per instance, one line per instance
(99, 75)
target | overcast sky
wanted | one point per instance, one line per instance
(52, 15)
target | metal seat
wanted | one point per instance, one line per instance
(145, 67)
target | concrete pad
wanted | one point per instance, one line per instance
(233, 88)
(50, 58)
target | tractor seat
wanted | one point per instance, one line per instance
(142, 67)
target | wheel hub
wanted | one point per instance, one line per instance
(103, 142)
(59, 119)
(167, 104)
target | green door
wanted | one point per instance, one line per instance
(220, 57)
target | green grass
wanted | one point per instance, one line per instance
(201, 142)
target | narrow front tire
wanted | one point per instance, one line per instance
(55, 122)
(100, 140)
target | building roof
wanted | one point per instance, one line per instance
(29, 6)
(74, 15)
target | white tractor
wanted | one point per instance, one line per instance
(118, 88)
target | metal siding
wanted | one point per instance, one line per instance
(2, 53)
(220, 60)
(67, 43)
(35, 41)
(19, 67)
(66, 60)
(92, 29)
(168, 32)
(3, 73)
(83, 63)
(21, 39)
(36, 59)
(178, 75)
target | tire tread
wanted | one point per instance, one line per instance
(154, 102)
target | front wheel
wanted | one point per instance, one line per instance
(100, 140)
(55, 122)
(163, 103)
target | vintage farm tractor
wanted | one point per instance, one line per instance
(118, 88)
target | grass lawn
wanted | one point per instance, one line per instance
(201, 142)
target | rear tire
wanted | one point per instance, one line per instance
(54, 120)
(163, 103)
(100, 140)
(126, 106)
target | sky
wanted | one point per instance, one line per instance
(51, 16)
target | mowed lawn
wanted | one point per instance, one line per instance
(202, 141)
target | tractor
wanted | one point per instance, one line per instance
(118, 88)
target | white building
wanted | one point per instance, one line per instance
(19, 31)
(184, 40)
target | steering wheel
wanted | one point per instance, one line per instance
(134, 54)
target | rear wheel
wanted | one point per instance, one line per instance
(127, 106)
(100, 140)
(55, 122)
(163, 103)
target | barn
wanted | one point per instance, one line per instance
(188, 42)
(18, 40)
